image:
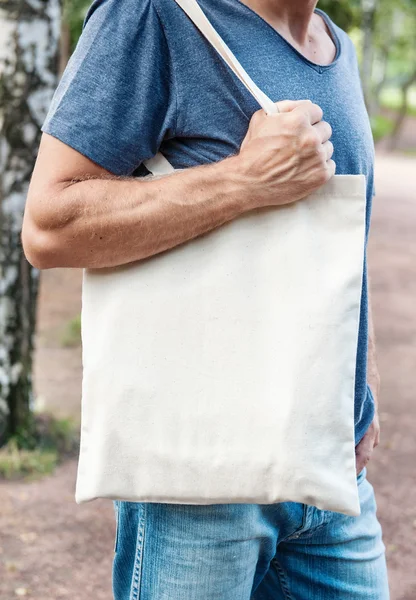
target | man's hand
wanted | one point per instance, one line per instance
(286, 156)
(365, 448)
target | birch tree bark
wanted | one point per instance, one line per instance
(29, 54)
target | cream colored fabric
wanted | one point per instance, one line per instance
(223, 370)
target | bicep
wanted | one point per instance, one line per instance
(58, 164)
(49, 206)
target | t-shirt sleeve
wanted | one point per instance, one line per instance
(116, 100)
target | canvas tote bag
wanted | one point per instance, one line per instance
(222, 371)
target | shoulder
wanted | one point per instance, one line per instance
(129, 9)
(123, 16)
(128, 29)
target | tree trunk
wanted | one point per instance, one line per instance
(65, 47)
(386, 45)
(401, 115)
(29, 56)
(376, 96)
(368, 24)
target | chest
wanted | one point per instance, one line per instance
(214, 108)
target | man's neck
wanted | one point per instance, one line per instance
(291, 16)
(296, 22)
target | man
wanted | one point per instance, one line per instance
(143, 78)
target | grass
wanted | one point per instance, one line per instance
(71, 334)
(381, 126)
(32, 454)
(16, 463)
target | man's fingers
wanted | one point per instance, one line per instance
(289, 105)
(312, 111)
(324, 130)
(363, 451)
(361, 460)
(365, 448)
(328, 149)
(331, 166)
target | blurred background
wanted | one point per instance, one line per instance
(49, 547)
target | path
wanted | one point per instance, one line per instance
(393, 272)
(52, 549)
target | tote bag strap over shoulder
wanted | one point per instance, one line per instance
(159, 165)
(197, 16)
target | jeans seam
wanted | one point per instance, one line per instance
(137, 569)
(300, 529)
(281, 575)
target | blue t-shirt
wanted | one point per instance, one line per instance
(143, 78)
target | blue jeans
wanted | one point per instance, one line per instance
(282, 551)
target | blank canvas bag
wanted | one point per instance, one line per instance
(222, 371)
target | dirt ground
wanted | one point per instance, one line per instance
(50, 548)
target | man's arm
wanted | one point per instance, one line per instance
(78, 215)
(82, 216)
(371, 439)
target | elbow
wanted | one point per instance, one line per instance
(39, 246)
(44, 232)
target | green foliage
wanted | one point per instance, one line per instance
(391, 98)
(71, 335)
(74, 12)
(394, 37)
(384, 35)
(56, 434)
(345, 13)
(36, 452)
(381, 126)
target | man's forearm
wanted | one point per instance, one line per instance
(109, 222)
(77, 215)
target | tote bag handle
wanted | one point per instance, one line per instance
(197, 16)
(159, 165)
